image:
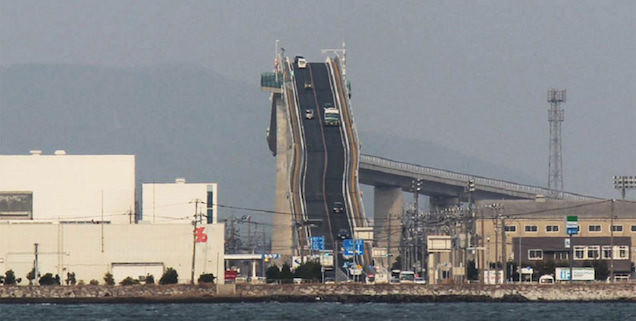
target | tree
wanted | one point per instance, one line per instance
(286, 275)
(272, 274)
(150, 279)
(170, 276)
(49, 279)
(129, 281)
(108, 279)
(70, 278)
(309, 271)
(397, 265)
(31, 276)
(471, 271)
(601, 271)
(93, 282)
(206, 278)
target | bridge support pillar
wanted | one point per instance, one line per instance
(282, 237)
(387, 217)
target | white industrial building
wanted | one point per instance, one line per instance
(63, 187)
(79, 210)
(177, 202)
(91, 250)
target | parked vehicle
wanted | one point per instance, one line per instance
(420, 280)
(546, 279)
(407, 277)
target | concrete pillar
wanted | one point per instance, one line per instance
(282, 230)
(387, 218)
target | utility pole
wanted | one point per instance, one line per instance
(503, 248)
(197, 217)
(35, 262)
(519, 258)
(469, 218)
(611, 274)
(388, 246)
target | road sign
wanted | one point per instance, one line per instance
(358, 247)
(317, 243)
(572, 230)
(572, 225)
(566, 243)
(353, 247)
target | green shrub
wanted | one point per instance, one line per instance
(206, 278)
(93, 282)
(129, 281)
(150, 279)
(70, 278)
(9, 278)
(170, 276)
(81, 282)
(272, 274)
(49, 279)
(108, 279)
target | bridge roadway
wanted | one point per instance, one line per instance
(447, 185)
(322, 180)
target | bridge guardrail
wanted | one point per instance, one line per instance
(462, 178)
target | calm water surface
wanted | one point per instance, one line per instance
(322, 311)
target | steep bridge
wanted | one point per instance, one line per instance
(319, 166)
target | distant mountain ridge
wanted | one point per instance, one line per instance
(181, 121)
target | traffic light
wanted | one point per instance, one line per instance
(471, 185)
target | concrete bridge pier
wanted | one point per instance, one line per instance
(282, 232)
(387, 217)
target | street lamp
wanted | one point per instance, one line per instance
(624, 182)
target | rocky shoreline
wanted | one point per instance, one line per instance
(350, 293)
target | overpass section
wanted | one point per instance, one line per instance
(317, 192)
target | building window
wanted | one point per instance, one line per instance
(623, 252)
(633, 228)
(552, 228)
(617, 228)
(531, 228)
(594, 228)
(593, 252)
(510, 228)
(606, 254)
(535, 254)
(561, 256)
(579, 252)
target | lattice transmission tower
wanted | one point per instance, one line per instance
(555, 164)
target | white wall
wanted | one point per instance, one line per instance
(73, 187)
(90, 252)
(174, 202)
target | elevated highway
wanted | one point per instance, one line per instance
(319, 166)
(317, 161)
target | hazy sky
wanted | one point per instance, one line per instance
(469, 75)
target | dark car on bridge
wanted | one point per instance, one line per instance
(337, 207)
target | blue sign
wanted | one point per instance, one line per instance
(353, 247)
(317, 243)
(572, 230)
(347, 245)
(358, 247)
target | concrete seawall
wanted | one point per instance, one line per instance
(319, 292)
